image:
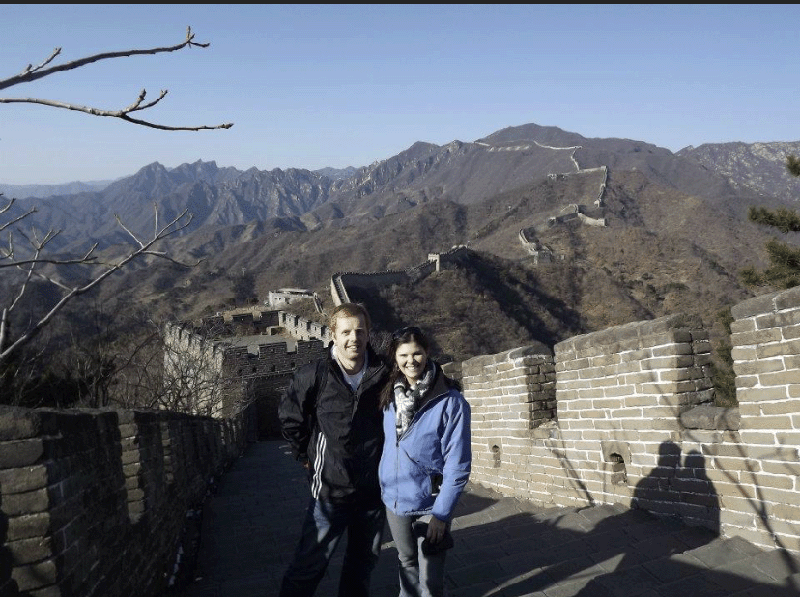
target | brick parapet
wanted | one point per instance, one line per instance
(93, 502)
(274, 358)
(587, 425)
(635, 425)
(623, 416)
(766, 460)
(620, 394)
(510, 394)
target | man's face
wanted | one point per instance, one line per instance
(350, 337)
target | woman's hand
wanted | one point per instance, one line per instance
(436, 529)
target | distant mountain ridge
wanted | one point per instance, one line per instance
(759, 166)
(336, 173)
(459, 171)
(48, 190)
(676, 232)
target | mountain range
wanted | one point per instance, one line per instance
(676, 232)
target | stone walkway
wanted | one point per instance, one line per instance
(504, 547)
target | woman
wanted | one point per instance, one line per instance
(425, 463)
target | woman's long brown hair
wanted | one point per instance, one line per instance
(401, 336)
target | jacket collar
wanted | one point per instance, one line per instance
(374, 360)
(438, 387)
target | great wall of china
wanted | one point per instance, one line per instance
(93, 499)
(436, 262)
(527, 236)
(92, 502)
(251, 354)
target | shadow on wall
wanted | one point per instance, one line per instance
(679, 489)
(672, 548)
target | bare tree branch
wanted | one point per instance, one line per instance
(121, 114)
(30, 68)
(7, 346)
(88, 258)
(34, 73)
(29, 260)
(31, 73)
(6, 207)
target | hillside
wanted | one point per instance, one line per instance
(661, 252)
(676, 235)
(758, 166)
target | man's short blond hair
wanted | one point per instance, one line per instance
(349, 310)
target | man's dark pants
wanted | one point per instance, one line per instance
(324, 526)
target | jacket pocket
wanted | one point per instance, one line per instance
(436, 482)
(417, 483)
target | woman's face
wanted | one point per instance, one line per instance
(411, 359)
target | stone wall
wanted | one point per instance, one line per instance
(265, 374)
(576, 212)
(192, 360)
(227, 373)
(625, 416)
(340, 282)
(338, 292)
(304, 329)
(92, 503)
(763, 464)
(540, 253)
(262, 322)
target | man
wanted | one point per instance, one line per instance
(329, 415)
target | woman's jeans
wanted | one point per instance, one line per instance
(420, 575)
(324, 526)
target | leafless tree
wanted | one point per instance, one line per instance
(180, 368)
(30, 256)
(31, 267)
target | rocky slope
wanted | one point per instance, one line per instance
(759, 166)
(675, 239)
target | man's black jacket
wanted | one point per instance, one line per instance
(338, 431)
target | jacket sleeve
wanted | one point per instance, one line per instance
(296, 411)
(457, 452)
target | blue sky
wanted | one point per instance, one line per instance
(309, 86)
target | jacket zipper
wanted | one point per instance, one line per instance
(355, 393)
(396, 468)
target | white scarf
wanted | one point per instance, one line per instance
(406, 399)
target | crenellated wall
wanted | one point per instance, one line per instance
(93, 503)
(436, 261)
(250, 359)
(625, 416)
(304, 329)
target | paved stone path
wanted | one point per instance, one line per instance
(504, 547)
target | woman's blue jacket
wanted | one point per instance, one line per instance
(425, 470)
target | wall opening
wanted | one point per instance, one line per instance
(618, 454)
(619, 476)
